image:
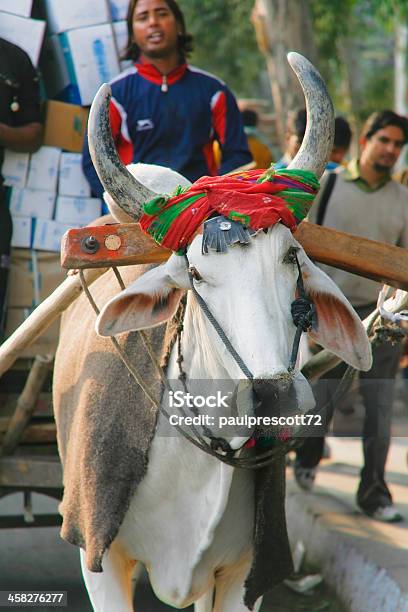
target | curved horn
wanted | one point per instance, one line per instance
(116, 179)
(318, 139)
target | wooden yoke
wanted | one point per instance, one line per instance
(120, 244)
(379, 261)
(125, 244)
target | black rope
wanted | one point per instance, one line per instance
(200, 443)
(304, 316)
(303, 313)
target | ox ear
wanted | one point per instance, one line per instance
(339, 328)
(148, 302)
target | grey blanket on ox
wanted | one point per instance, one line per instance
(105, 427)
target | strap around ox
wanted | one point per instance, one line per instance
(304, 317)
(250, 463)
(303, 312)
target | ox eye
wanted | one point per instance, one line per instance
(290, 257)
(195, 274)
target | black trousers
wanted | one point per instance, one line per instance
(376, 389)
(6, 229)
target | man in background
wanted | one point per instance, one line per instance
(21, 131)
(367, 202)
(165, 111)
(341, 144)
(295, 131)
(259, 150)
(261, 154)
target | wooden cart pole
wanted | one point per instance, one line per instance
(42, 317)
(125, 244)
(26, 404)
(324, 361)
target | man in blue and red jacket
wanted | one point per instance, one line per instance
(164, 111)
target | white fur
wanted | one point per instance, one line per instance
(191, 520)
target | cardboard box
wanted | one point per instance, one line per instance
(48, 234)
(79, 211)
(91, 59)
(45, 344)
(43, 169)
(121, 37)
(33, 276)
(32, 203)
(26, 33)
(65, 126)
(21, 291)
(21, 237)
(63, 15)
(119, 9)
(17, 7)
(15, 168)
(71, 179)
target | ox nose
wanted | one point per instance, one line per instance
(276, 396)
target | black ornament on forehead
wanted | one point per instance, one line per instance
(220, 233)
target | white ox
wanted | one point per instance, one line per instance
(191, 519)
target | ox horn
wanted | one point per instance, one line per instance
(318, 139)
(121, 185)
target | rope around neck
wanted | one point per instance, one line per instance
(253, 462)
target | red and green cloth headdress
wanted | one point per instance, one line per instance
(255, 198)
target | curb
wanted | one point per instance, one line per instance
(348, 561)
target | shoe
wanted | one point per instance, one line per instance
(386, 514)
(304, 477)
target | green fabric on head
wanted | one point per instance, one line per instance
(165, 216)
(255, 198)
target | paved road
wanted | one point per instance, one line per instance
(365, 560)
(39, 559)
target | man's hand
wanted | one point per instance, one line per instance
(24, 139)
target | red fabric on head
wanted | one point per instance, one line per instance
(236, 193)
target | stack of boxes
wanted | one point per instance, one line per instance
(76, 45)
(80, 52)
(17, 27)
(83, 46)
(49, 195)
